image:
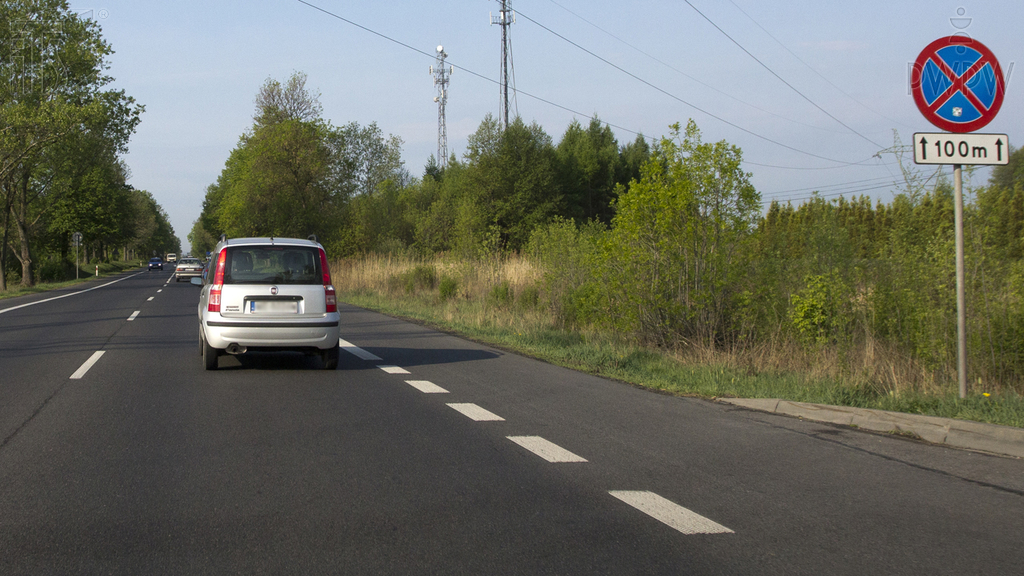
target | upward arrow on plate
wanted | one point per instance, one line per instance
(924, 148)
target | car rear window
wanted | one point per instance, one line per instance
(272, 265)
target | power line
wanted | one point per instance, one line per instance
(844, 193)
(698, 81)
(840, 185)
(781, 79)
(809, 67)
(678, 99)
(472, 72)
(517, 91)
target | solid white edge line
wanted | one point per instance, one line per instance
(546, 449)
(474, 412)
(66, 295)
(357, 351)
(134, 314)
(88, 364)
(670, 513)
(393, 369)
(426, 387)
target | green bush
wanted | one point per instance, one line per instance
(820, 312)
(422, 277)
(529, 297)
(502, 294)
(448, 288)
(53, 271)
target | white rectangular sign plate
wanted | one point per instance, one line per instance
(968, 149)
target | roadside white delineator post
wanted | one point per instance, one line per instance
(97, 269)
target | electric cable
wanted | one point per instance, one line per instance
(698, 81)
(781, 79)
(691, 105)
(809, 67)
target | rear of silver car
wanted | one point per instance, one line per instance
(269, 294)
(188, 268)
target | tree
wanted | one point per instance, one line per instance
(54, 62)
(512, 185)
(294, 174)
(676, 239)
(588, 165)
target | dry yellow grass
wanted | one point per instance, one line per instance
(867, 364)
(475, 279)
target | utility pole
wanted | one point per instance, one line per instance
(506, 17)
(441, 75)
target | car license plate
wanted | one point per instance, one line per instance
(273, 307)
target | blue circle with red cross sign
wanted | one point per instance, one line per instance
(957, 84)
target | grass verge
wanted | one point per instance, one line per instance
(524, 331)
(105, 269)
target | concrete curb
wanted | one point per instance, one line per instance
(1004, 440)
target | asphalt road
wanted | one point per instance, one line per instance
(427, 454)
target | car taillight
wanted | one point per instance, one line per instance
(329, 296)
(218, 283)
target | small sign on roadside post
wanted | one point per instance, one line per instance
(76, 239)
(958, 86)
(969, 149)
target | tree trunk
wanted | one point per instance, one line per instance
(21, 222)
(26, 254)
(3, 245)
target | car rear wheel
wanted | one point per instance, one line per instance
(210, 354)
(330, 358)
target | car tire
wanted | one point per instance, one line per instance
(210, 354)
(330, 358)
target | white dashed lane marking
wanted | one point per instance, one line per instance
(686, 521)
(426, 387)
(545, 449)
(477, 413)
(393, 369)
(357, 351)
(150, 299)
(134, 314)
(85, 367)
(160, 290)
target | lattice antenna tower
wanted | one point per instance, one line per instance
(441, 73)
(505, 18)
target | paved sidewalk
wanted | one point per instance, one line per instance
(1004, 440)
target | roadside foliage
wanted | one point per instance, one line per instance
(667, 246)
(664, 245)
(62, 131)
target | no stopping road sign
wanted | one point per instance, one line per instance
(957, 84)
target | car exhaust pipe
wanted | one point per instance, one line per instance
(234, 348)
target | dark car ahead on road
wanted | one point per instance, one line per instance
(155, 263)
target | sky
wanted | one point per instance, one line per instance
(811, 92)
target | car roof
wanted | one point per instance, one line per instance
(274, 241)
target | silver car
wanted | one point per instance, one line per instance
(188, 268)
(268, 294)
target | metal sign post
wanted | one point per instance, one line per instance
(958, 86)
(961, 299)
(76, 239)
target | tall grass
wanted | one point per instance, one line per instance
(501, 301)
